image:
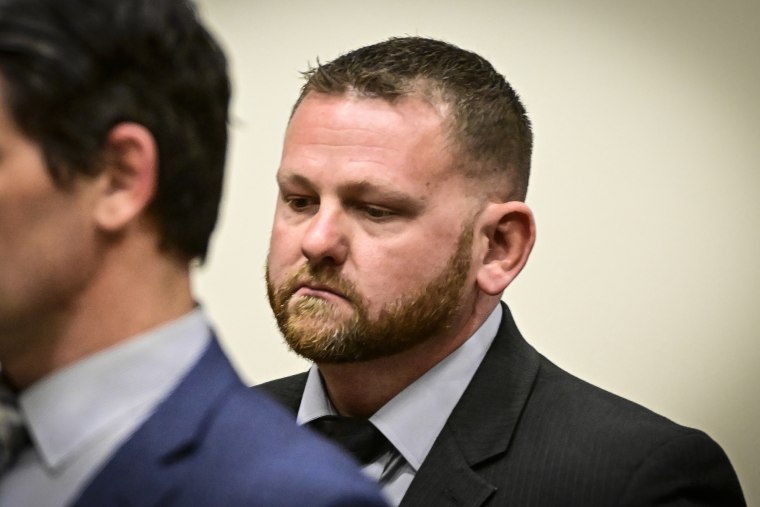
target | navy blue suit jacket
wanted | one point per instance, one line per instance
(213, 442)
(526, 433)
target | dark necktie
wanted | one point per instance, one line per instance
(13, 434)
(357, 436)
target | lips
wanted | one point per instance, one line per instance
(319, 290)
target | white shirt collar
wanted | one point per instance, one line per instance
(413, 419)
(69, 409)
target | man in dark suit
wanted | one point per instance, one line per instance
(400, 222)
(113, 132)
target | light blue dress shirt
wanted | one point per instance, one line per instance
(412, 420)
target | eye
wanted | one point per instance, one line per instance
(378, 213)
(299, 203)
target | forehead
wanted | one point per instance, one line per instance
(365, 139)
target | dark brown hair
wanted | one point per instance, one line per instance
(71, 70)
(488, 125)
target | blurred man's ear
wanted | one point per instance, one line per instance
(509, 231)
(129, 176)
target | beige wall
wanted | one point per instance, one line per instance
(645, 278)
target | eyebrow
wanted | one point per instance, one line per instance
(366, 187)
(295, 179)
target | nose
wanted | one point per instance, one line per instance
(325, 239)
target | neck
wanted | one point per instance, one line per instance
(133, 289)
(360, 389)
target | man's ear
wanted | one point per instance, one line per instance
(509, 231)
(129, 176)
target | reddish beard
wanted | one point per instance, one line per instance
(318, 330)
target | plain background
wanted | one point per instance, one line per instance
(646, 173)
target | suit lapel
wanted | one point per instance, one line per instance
(451, 483)
(143, 472)
(481, 425)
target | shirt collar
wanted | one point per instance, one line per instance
(66, 410)
(413, 419)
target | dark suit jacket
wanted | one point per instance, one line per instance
(526, 433)
(215, 443)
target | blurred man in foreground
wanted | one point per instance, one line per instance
(113, 132)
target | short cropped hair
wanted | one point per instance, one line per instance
(487, 123)
(73, 69)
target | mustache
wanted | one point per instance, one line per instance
(327, 278)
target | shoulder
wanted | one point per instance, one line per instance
(254, 451)
(587, 409)
(288, 391)
(558, 407)
(608, 442)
